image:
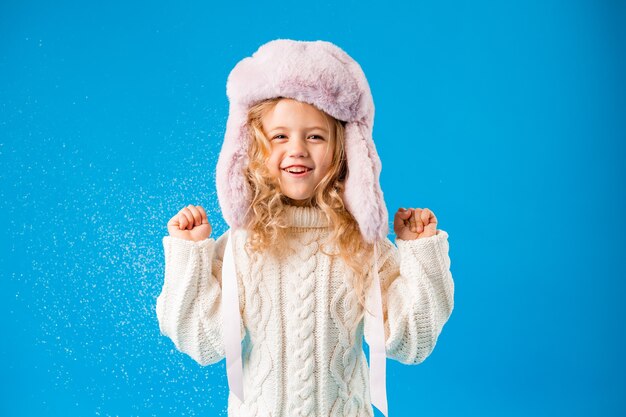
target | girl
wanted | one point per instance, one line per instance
(306, 269)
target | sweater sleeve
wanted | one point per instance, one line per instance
(417, 295)
(189, 306)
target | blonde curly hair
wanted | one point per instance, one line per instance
(265, 220)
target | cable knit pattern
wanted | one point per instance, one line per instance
(344, 311)
(302, 353)
(300, 305)
(258, 308)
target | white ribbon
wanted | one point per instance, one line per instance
(232, 337)
(378, 354)
(231, 319)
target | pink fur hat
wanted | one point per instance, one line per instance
(323, 75)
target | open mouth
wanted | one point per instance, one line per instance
(297, 172)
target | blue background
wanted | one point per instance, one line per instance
(507, 119)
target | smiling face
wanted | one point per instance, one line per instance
(301, 147)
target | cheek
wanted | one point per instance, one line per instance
(273, 163)
(325, 168)
(327, 161)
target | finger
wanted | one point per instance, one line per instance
(182, 220)
(403, 213)
(419, 227)
(400, 218)
(412, 220)
(425, 216)
(188, 217)
(197, 217)
(173, 221)
(205, 218)
(432, 219)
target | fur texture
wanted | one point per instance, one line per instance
(321, 74)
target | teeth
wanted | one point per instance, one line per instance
(297, 170)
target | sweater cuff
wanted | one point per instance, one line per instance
(179, 252)
(429, 251)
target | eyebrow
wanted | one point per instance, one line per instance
(310, 128)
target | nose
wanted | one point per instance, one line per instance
(297, 148)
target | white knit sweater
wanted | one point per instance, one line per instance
(302, 347)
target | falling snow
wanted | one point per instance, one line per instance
(86, 223)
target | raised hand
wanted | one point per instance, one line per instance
(414, 223)
(190, 223)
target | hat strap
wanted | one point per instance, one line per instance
(230, 311)
(378, 355)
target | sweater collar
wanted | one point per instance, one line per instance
(307, 217)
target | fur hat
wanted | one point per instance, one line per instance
(323, 75)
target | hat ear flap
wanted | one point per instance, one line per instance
(233, 191)
(362, 195)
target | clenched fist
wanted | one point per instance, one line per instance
(190, 223)
(414, 223)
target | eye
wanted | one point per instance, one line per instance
(316, 136)
(277, 136)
